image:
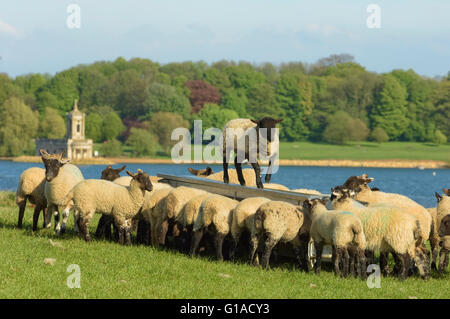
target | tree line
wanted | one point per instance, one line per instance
(139, 102)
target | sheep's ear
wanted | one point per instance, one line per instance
(44, 153)
(446, 191)
(438, 197)
(62, 154)
(122, 168)
(255, 121)
(363, 176)
(209, 170)
(131, 174)
(109, 166)
(279, 121)
(192, 171)
(369, 180)
(64, 161)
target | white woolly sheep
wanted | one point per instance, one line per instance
(238, 131)
(243, 218)
(60, 178)
(306, 191)
(387, 229)
(359, 184)
(340, 229)
(105, 197)
(278, 221)
(443, 226)
(214, 217)
(31, 187)
(171, 207)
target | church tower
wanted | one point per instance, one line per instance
(75, 123)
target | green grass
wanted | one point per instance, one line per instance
(352, 151)
(365, 151)
(109, 270)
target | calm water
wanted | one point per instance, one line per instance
(419, 185)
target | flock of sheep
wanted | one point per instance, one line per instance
(191, 220)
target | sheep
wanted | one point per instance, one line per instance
(243, 218)
(359, 184)
(340, 229)
(274, 186)
(105, 197)
(60, 178)
(201, 172)
(278, 221)
(32, 187)
(306, 191)
(387, 229)
(238, 131)
(214, 216)
(171, 206)
(443, 225)
(105, 222)
(186, 219)
(434, 236)
(149, 212)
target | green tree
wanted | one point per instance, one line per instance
(343, 128)
(389, 110)
(378, 135)
(143, 142)
(52, 124)
(262, 102)
(235, 100)
(111, 148)
(439, 138)
(162, 124)
(18, 127)
(212, 115)
(112, 126)
(94, 127)
(164, 98)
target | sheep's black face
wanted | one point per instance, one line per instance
(52, 167)
(201, 172)
(111, 174)
(144, 181)
(444, 228)
(357, 183)
(270, 124)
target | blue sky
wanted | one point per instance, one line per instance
(414, 34)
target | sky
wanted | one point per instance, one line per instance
(34, 36)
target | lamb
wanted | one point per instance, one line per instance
(214, 217)
(238, 131)
(243, 218)
(60, 178)
(171, 207)
(105, 197)
(105, 222)
(187, 217)
(340, 229)
(387, 229)
(278, 221)
(31, 187)
(359, 184)
(443, 225)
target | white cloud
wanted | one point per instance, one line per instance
(8, 29)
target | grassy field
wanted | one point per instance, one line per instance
(365, 151)
(109, 270)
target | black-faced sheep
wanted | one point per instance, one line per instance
(236, 133)
(443, 225)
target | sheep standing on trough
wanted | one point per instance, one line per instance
(105, 197)
(359, 184)
(106, 221)
(214, 216)
(60, 177)
(31, 187)
(388, 229)
(277, 221)
(236, 133)
(443, 225)
(343, 231)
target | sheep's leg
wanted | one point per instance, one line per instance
(22, 206)
(369, 257)
(362, 263)
(254, 240)
(164, 227)
(257, 170)
(434, 249)
(44, 215)
(37, 211)
(108, 222)
(196, 238)
(303, 252)
(101, 227)
(269, 243)
(421, 264)
(345, 261)
(57, 221)
(48, 217)
(127, 233)
(239, 171)
(398, 264)
(218, 244)
(269, 171)
(84, 223)
(76, 221)
(318, 247)
(226, 178)
(140, 232)
(299, 255)
(65, 216)
(353, 258)
(443, 260)
(384, 263)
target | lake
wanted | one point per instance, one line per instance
(417, 184)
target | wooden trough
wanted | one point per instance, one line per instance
(239, 192)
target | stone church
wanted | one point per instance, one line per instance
(75, 145)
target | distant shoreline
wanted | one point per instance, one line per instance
(388, 163)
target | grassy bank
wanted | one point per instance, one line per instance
(112, 271)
